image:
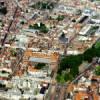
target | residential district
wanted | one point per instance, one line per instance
(49, 49)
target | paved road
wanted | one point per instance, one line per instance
(89, 67)
(15, 67)
(10, 24)
(59, 92)
(62, 93)
(59, 95)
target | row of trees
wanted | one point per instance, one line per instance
(43, 5)
(60, 17)
(69, 65)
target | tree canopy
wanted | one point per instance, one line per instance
(39, 65)
(41, 27)
(43, 5)
(3, 10)
(73, 62)
(97, 70)
(60, 17)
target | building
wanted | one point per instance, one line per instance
(96, 18)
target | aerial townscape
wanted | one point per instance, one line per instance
(49, 49)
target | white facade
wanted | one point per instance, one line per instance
(85, 30)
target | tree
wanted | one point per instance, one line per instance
(64, 77)
(72, 62)
(43, 5)
(39, 65)
(97, 70)
(60, 78)
(63, 35)
(22, 22)
(89, 54)
(30, 27)
(35, 26)
(60, 17)
(44, 29)
(41, 28)
(97, 45)
(13, 52)
(3, 10)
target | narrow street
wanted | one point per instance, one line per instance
(10, 24)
